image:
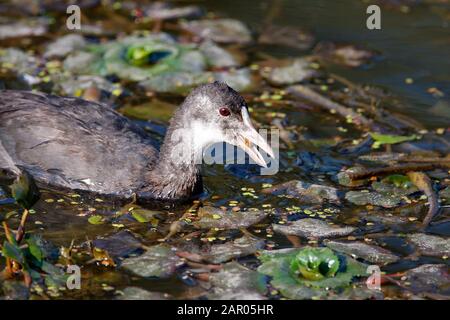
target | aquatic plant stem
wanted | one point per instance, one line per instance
(21, 229)
(9, 267)
(7, 233)
(424, 184)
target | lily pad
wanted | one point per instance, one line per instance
(430, 245)
(395, 185)
(313, 228)
(398, 180)
(278, 265)
(156, 60)
(240, 247)
(144, 215)
(211, 217)
(160, 55)
(158, 261)
(369, 253)
(314, 264)
(96, 219)
(381, 139)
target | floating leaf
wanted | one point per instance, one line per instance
(103, 257)
(96, 219)
(278, 265)
(144, 216)
(315, 263)
(399, 180)
(25, 191)
(142, 55)
(389, 139)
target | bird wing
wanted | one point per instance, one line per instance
(72, 143)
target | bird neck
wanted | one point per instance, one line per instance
(177, 171)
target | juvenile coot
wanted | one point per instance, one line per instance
(70, 143)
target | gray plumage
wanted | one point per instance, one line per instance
(74, 144)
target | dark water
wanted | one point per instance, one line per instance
(412, 45)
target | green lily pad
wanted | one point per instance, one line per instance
(381, 139)
(144, 216)
(396, 184)
(338, 275)
(315, 263)
(159, 63)
(144, 55)
(399, 180)
(96, 219)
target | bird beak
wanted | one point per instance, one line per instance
(248, 139)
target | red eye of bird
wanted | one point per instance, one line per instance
(224, 111)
